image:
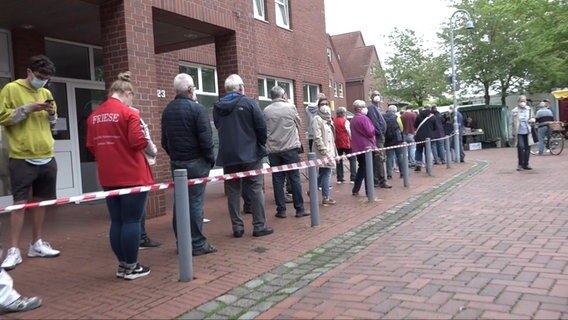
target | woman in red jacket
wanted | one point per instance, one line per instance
(115, 138)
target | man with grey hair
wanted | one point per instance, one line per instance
(242, 145)
(187, 138)
(283, 125)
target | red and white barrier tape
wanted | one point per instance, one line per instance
(162, 186)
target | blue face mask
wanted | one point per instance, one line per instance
(37, 83)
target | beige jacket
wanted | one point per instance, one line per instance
(283, 125)
(515, 122)
(324, 141)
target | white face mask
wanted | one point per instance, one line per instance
(523, 104)
(325, 109)
(364, 111)
(37, 83)
(377, 99)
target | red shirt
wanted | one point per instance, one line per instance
(408, 118)
(342, 140)
(115, 138)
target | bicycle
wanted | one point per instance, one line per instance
(554, 140)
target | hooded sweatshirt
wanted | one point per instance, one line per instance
(30, 138)
(242, 130)
(311, 111)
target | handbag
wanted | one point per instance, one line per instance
(534, 134)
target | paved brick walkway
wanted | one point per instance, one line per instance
(409, 247)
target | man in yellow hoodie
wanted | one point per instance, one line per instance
(28, 111)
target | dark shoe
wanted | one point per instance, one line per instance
(247, 212)
(238, 234)
(462, 160)
(264, 232)
(527, 168)
(149, 243)
(138, 271)
(436, 163)
(389, 177)
(281, 215)
(302, 214)
(207, 248)
(385, 185)
(519, 168)
(417, 169)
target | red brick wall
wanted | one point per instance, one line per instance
(25, 44)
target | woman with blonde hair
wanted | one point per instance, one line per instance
(116, 139)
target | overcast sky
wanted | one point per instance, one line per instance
(376, 19)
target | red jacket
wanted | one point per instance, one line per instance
(342, 140)
(115, 138)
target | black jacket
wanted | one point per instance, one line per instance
(186, 131)
(428, 128)
(242, 130)
(393, 135)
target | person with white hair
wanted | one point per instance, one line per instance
(242, 145)
(393, 137)
(187, 138)
(362, 138)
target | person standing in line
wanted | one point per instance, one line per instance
(150, 152)
(242, 146)
(310, 113)
(393, 137)
(117, 142)
(438, 148)
(521, 115)
(324, 147)
(362, 138)
(408, 118)
(376, 116)
(425, 126)
(28, 112)
(187, 138)
(283, 125)
(543, 118)
(343, 143)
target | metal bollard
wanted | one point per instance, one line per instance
(457, 147)
(369, 183)
(181, 198)
(313, 187)
(405, 165)
(428, 156)
(448, 152)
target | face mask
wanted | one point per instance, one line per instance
(37, 83)
(325, 109)
(364, 111)
(523, 104)
(377, 99)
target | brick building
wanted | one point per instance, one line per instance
(358, 62)
(267, 42)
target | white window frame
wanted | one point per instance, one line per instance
(91, 54)
(199, 79)
(335, 89)
(257, 8)
(311, 86)
(340, 89)
(330, 84)
(277, 82)
(282, 8)
(10, 72)
(329, 54)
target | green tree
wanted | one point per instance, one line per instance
(413, 73)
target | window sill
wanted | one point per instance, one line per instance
(284, 28)
(259, 19)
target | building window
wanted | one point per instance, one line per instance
(282, 14)
(310, 93)
(259, 9)
(329, 54)
(340, 89)
(266, 84)
(335, 89)
(330, 83)
(204, 78)
(75, 60)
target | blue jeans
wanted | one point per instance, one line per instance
(439, 151)
(196, 168)
(325, 176)
(392, 155)
(409, 138)
(352, 166)
(254, 190)
(420, 148)
(361, 174)
(542, 133)
(125, 214)
(278, 180)
(523, 150)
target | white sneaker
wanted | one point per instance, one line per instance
(13, 258)
(42, 249)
